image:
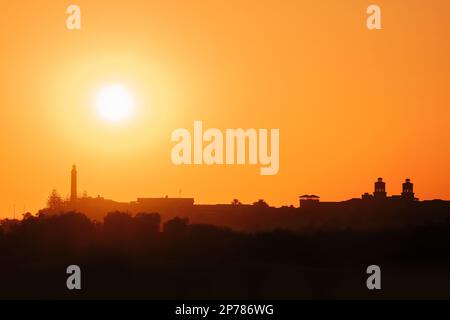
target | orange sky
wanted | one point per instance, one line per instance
(351, 104)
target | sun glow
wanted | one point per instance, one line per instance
(115, 103)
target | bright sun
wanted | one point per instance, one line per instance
(115, 103)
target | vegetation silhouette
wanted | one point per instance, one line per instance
(141, 257)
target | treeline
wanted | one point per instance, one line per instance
(75, 232)
(141, 257)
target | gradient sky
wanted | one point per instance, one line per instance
(351, 104)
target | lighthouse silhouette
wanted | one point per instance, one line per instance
(73, 184)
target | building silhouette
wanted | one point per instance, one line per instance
(97, 207)
(380, 189)
(310, 212)
(379, 196)
(309, 200)
(408, 190)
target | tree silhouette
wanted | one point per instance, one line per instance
(54, 200)
(27, 215)
(236, 202)
(261, 203)
(177, 226)
(147, 223)
(117, 221)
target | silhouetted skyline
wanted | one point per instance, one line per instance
(259, 215)
(97, 207)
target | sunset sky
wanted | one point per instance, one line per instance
(351, 104)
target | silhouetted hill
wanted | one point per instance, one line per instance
(137, 257)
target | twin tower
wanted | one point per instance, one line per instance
(407, 190)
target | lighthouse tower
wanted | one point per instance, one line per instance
(73, 184)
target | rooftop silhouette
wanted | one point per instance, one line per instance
(260, 215)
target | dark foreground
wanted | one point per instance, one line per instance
(130, 258)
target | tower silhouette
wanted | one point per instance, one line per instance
(73, 184)
(408, 190)
(380, 189)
